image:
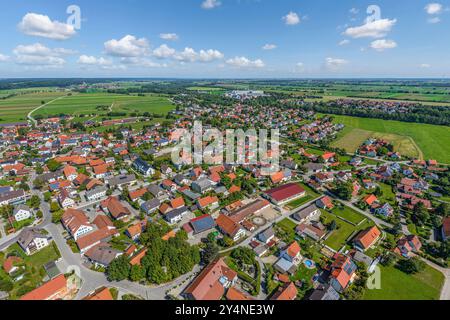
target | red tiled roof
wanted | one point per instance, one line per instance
(287, 292)
(101, 294)
(136, 260)
(207, 285)
(48, 290)
(367, 238)
(177, 202)
(227, 225)
(234, 294)
(286, 191)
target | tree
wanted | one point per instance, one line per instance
(344, 191)
(38, 183)
(443, 209)
(411, 266)
(53, 165)
(119, 269)
(35, 202)
(54, 206)
(420, 214)
(243, 255)
(137, 273)
(210, 252)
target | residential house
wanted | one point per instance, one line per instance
(76, 223)
(201, 186)
(367, 238)
(230, 228)
(143, 167)
(342, 272)
(151, 206)
(116, 209)
(22, 212)
(408, 245)
(176, 215)
(202, 224)
(208, 203)
(325, 203)
(307, 214)
(96, 193)
(266, 236)
(32, 240)
(212, 282)
(102, 255)
(286, 292)
(55, 289)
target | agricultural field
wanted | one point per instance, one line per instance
(102, 103)
(397, 285)
(16, 109)
(428, 140)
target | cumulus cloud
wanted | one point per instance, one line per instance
(383, 44)
(92, 61)
(210, 4)
(163, 52)
(371, 29)
(425, 66)
(190, 55)
(269, 46)
(128, 46)
(433, 8)
(169, 36)
(291, 19)
(344, 42)
(40, 55)
(39, 25)
(243, 62)
(335, 63)
(354, 11)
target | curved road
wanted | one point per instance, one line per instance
(29, 116)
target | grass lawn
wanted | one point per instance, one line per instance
(397, 285)
(32, 270)
(297, 203)
(339, 237)
(349, 214)
(431, 140)
(288, 226)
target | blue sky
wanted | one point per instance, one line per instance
(225, 39)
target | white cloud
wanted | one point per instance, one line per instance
(3, 58)
(40, 55)
(434, 20)
(344, 42)
(169, 36)
(335, 63)
(128, 46)
(354, 11)
(383, 44)
(210, 4)
(425, 65)
(243, 62)
(39, 25)
(91, 60)
(269, 46)
(291, 19)
(372, 29)
(433, 8)
(190, 55)
(163, 52)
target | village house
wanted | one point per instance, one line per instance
(230, 228)
(22, 212)
(76, 223)
(212, 282)
(32, 240)
(367, 238)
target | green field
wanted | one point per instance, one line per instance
(339, 237)
(431, 140)
(397, 285)
(102, 103)
(15, 109)
(348, 214)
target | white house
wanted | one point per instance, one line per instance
(22, 212)
(32, 241)
(96, 193)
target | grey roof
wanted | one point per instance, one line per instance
(314, 166)
(203, 183)
(191, 195)
(302, 214)
(175, 213)
(266, 234)
(154, 189)
(102, 254)
(150, 205)
(21, 207)
(7, 196)
(326, 292)
(96, 190)
(122, 179)
(361, 257)
(28, 235)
